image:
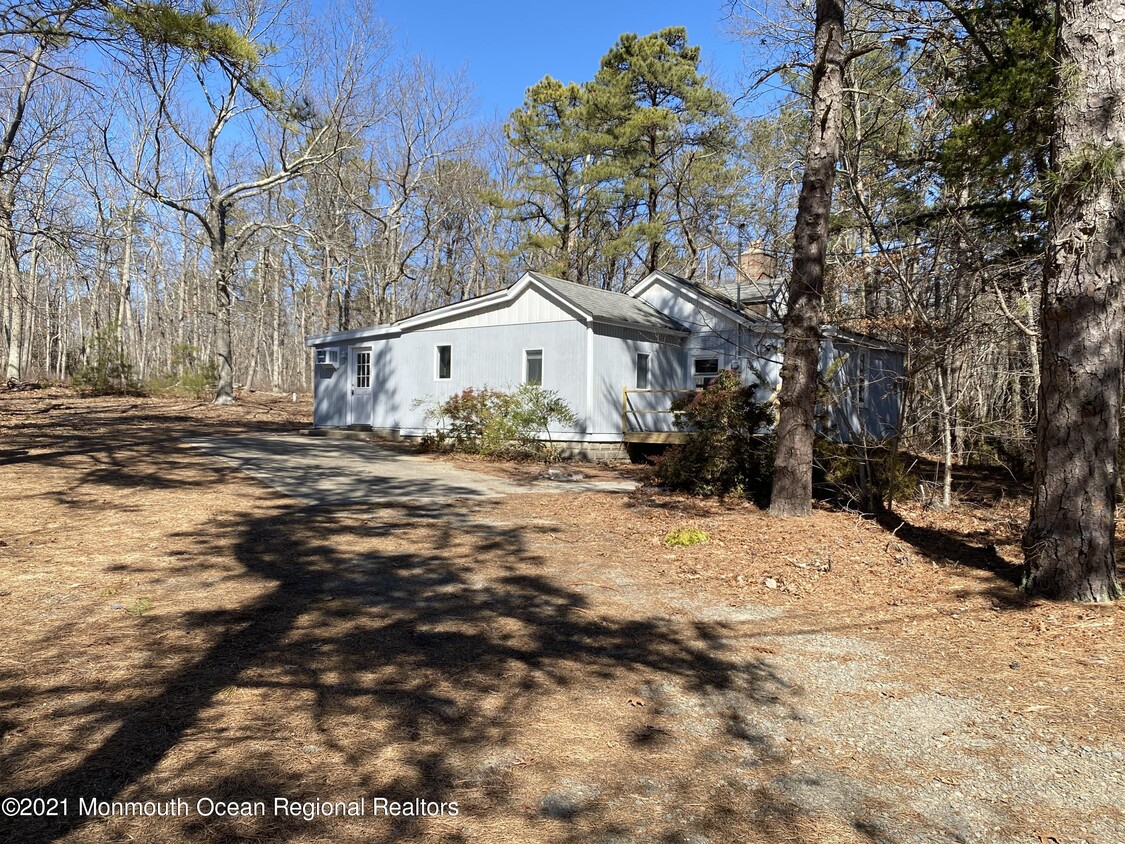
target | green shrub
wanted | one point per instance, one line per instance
(682, 537)
(730, 451)
(866, 474)
(189, 373)
(535, 411)
(106, 371)
(498, 423)
(478, 420)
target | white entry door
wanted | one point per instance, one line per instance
(359, 376)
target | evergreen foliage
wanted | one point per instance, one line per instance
(999, 94)
(106, 370)
(730, 451)
(632, 165)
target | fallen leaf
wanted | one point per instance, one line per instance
(635, 701)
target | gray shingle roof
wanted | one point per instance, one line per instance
(762, 290)
(752, 293)
(607, 306)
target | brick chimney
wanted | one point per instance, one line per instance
(757, 264)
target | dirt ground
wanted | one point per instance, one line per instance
(173, 630)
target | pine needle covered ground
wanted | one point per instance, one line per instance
(174, 630)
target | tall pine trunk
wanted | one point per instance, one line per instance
(792, 475)
(1068, 546)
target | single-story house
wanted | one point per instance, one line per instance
(617, 359)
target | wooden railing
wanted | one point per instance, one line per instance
(639, 434)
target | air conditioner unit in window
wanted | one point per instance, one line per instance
(328, 357)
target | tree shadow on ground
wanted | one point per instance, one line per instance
(948, 547)
(406, 650)
(414, 646)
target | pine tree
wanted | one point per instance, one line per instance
(1069, 542)
(667, 127)
(801, 326)
(561, 170)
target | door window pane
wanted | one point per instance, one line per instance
(533, 370)
(363, 370)
(444, 362)
(642, 372)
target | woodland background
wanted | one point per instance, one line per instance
(168, 201)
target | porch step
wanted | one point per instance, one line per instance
(360, 433)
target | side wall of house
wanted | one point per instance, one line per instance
(754, 350)
(330, 393)
(486, 356)
(615, 367)
(853, 413)
(865, 390)
(386, 385)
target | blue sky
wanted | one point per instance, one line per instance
(507, 46)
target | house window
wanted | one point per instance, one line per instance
(363, 370)
(533, 366)
(642, 372)
(705, 371)
(444, 363)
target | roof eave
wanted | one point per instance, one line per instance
(635, 326)
(370, 332)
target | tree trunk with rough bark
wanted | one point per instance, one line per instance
(792, 477)
(1068, 545)
(222, 273)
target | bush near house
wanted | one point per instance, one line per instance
(731, 451)
(499, 423)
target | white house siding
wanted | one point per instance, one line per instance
(486, 356)
(330, 403)
(386, 384)
(666, 297)
(877, 416)
(615, 363)
(757, 348)
(754, 348)
(530, 307)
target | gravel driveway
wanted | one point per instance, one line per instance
(322, 471)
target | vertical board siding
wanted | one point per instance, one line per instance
(386, 387)
(615, 362)
(491, 356)
(529, 307)
(877, 417)
(330, 398)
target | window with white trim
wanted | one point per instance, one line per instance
(533, 366)
(444, 362)
(704, 371)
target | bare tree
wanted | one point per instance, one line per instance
(232, 173)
